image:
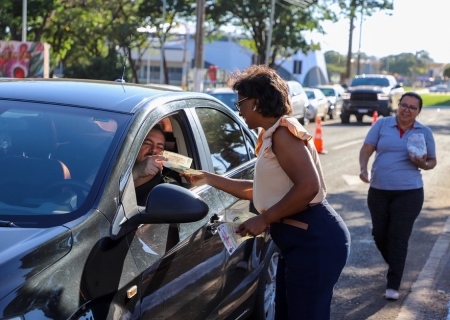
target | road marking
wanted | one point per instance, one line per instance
(412, 306)
(352, 179)
(345, 145)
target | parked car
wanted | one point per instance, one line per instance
(369, 93)
(318, 104)
(299, 101)
(74, 242)
(439, 88)
(226, 95)
(334, 96)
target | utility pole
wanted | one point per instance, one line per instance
(24, 20)
(161, 63)
(269, 37)
(199, 56)
(359, 48)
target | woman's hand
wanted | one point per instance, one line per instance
(364, 176)
(421, 162)
(196, 180)
(253, 226)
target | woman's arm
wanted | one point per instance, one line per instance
(242, 189)
(364, 154)
(296, 161)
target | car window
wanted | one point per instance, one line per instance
(51, 157)
(382, 82)
(228, 98)
(225, 140)
(328, 92)
(310, 94)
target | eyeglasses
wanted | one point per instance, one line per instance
(404, 106)
(237, 104)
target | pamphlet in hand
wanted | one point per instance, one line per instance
(228, 228)
(179, 163)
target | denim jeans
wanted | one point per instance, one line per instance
(310, 263)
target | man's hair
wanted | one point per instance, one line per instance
(158, 128)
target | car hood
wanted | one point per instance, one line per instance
(25, 252)
(377, 89)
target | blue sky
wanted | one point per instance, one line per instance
(413, 26)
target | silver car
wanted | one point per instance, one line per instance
(299, 101)
(318, 104)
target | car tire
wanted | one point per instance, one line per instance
(345, 118)
(359, 118)
(264, 308)
(333, 113)
(303, 121)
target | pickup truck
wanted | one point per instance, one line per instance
(369, 93)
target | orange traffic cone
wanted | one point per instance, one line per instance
(318, 139)
(375, 117)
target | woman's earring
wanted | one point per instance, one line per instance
(254, 107)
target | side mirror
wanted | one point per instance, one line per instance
(169, 203)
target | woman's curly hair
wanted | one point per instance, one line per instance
(264, 84)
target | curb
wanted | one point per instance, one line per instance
(415, 302)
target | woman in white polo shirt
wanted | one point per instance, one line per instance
(395, 196)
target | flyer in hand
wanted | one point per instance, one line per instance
(228, 228)
(179, 163)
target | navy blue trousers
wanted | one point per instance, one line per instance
(393, 214)
(310, 263)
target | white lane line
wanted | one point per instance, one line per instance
(345, 145)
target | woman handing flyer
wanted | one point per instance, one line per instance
(289, 192)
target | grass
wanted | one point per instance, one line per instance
(430, 99)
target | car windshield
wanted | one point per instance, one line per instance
(381, 82)
(228, 98)
(328, 92)
(51, 159)
(310, 94)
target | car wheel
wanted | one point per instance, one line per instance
(304, 120)
(333, 113)
(345, 118)
(359, 118)
(264, 308)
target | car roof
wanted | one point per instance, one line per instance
(374, 76)
(220, 90)
(105, 95)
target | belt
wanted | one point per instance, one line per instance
(296, 223)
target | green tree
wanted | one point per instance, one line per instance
(350, 9)
(447, 72)
(253, 17)
(151, 13)
(405, 64)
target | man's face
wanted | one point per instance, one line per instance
(152, 145)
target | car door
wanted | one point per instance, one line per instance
(180, 266)
(221, 131)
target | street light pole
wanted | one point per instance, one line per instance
(24, 20)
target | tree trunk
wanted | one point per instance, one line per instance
(349, 52)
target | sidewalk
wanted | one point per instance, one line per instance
(430, 294)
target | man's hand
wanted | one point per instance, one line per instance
(149, 167)
(364, 176)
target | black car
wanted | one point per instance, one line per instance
(370, 93)
(75, 244)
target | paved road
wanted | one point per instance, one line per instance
(425, 289)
